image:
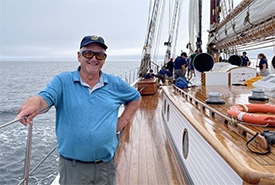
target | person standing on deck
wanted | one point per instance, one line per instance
(180, 65)
(245, 60)
(87, 103)
(170, 65)
(263, 65)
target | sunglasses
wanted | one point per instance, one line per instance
(90, 54)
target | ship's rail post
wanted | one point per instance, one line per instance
(154, 66)
(130, 77)
(28, 155)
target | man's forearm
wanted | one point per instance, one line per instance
(128, 113)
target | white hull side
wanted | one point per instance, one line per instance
(203, 164)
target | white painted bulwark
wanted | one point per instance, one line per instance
(203, 164)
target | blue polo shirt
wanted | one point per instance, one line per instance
(179, 62)
(245, 60)
(86, 120)
(263, 61)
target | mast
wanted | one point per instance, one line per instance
(153, 25)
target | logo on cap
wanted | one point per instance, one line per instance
(94, 37)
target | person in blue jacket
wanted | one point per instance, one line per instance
(87, 103)
(168, 74)
(161, 74)
(180, 65)
(150, 74)
(164, 74)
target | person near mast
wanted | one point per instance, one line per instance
(180, 66)
(150, 74)
(170, 65)
(245, 59)
(263, 65)
(164, 74)
(87, 103)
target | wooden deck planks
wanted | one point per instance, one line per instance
(144, 155)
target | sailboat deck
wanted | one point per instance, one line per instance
(144, 155)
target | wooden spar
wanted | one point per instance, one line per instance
(263, 30)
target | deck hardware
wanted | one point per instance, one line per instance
(258, 95)
(269, 136)
(215, 98)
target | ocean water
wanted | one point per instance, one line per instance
(19, 81)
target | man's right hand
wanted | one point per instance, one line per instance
(30, 109)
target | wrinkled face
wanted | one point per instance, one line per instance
(91, 66)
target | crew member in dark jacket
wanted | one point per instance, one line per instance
(180, 65)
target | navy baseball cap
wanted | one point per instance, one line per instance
(92, 39)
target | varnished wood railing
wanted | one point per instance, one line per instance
(236, 127)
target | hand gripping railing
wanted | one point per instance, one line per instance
(27, 171)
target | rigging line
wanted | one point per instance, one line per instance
(159, 31)
(224, 9)
(177, 30)
(169, 15)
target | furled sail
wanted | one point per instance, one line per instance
(193, 23)
(250, 21)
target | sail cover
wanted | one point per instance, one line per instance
(256, 13)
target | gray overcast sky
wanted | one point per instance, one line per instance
(54, 28)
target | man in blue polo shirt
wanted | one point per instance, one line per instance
(245, 60)
(87, 103)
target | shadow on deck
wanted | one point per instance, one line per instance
(144, 155)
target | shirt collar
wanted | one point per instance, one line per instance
(76, 76)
